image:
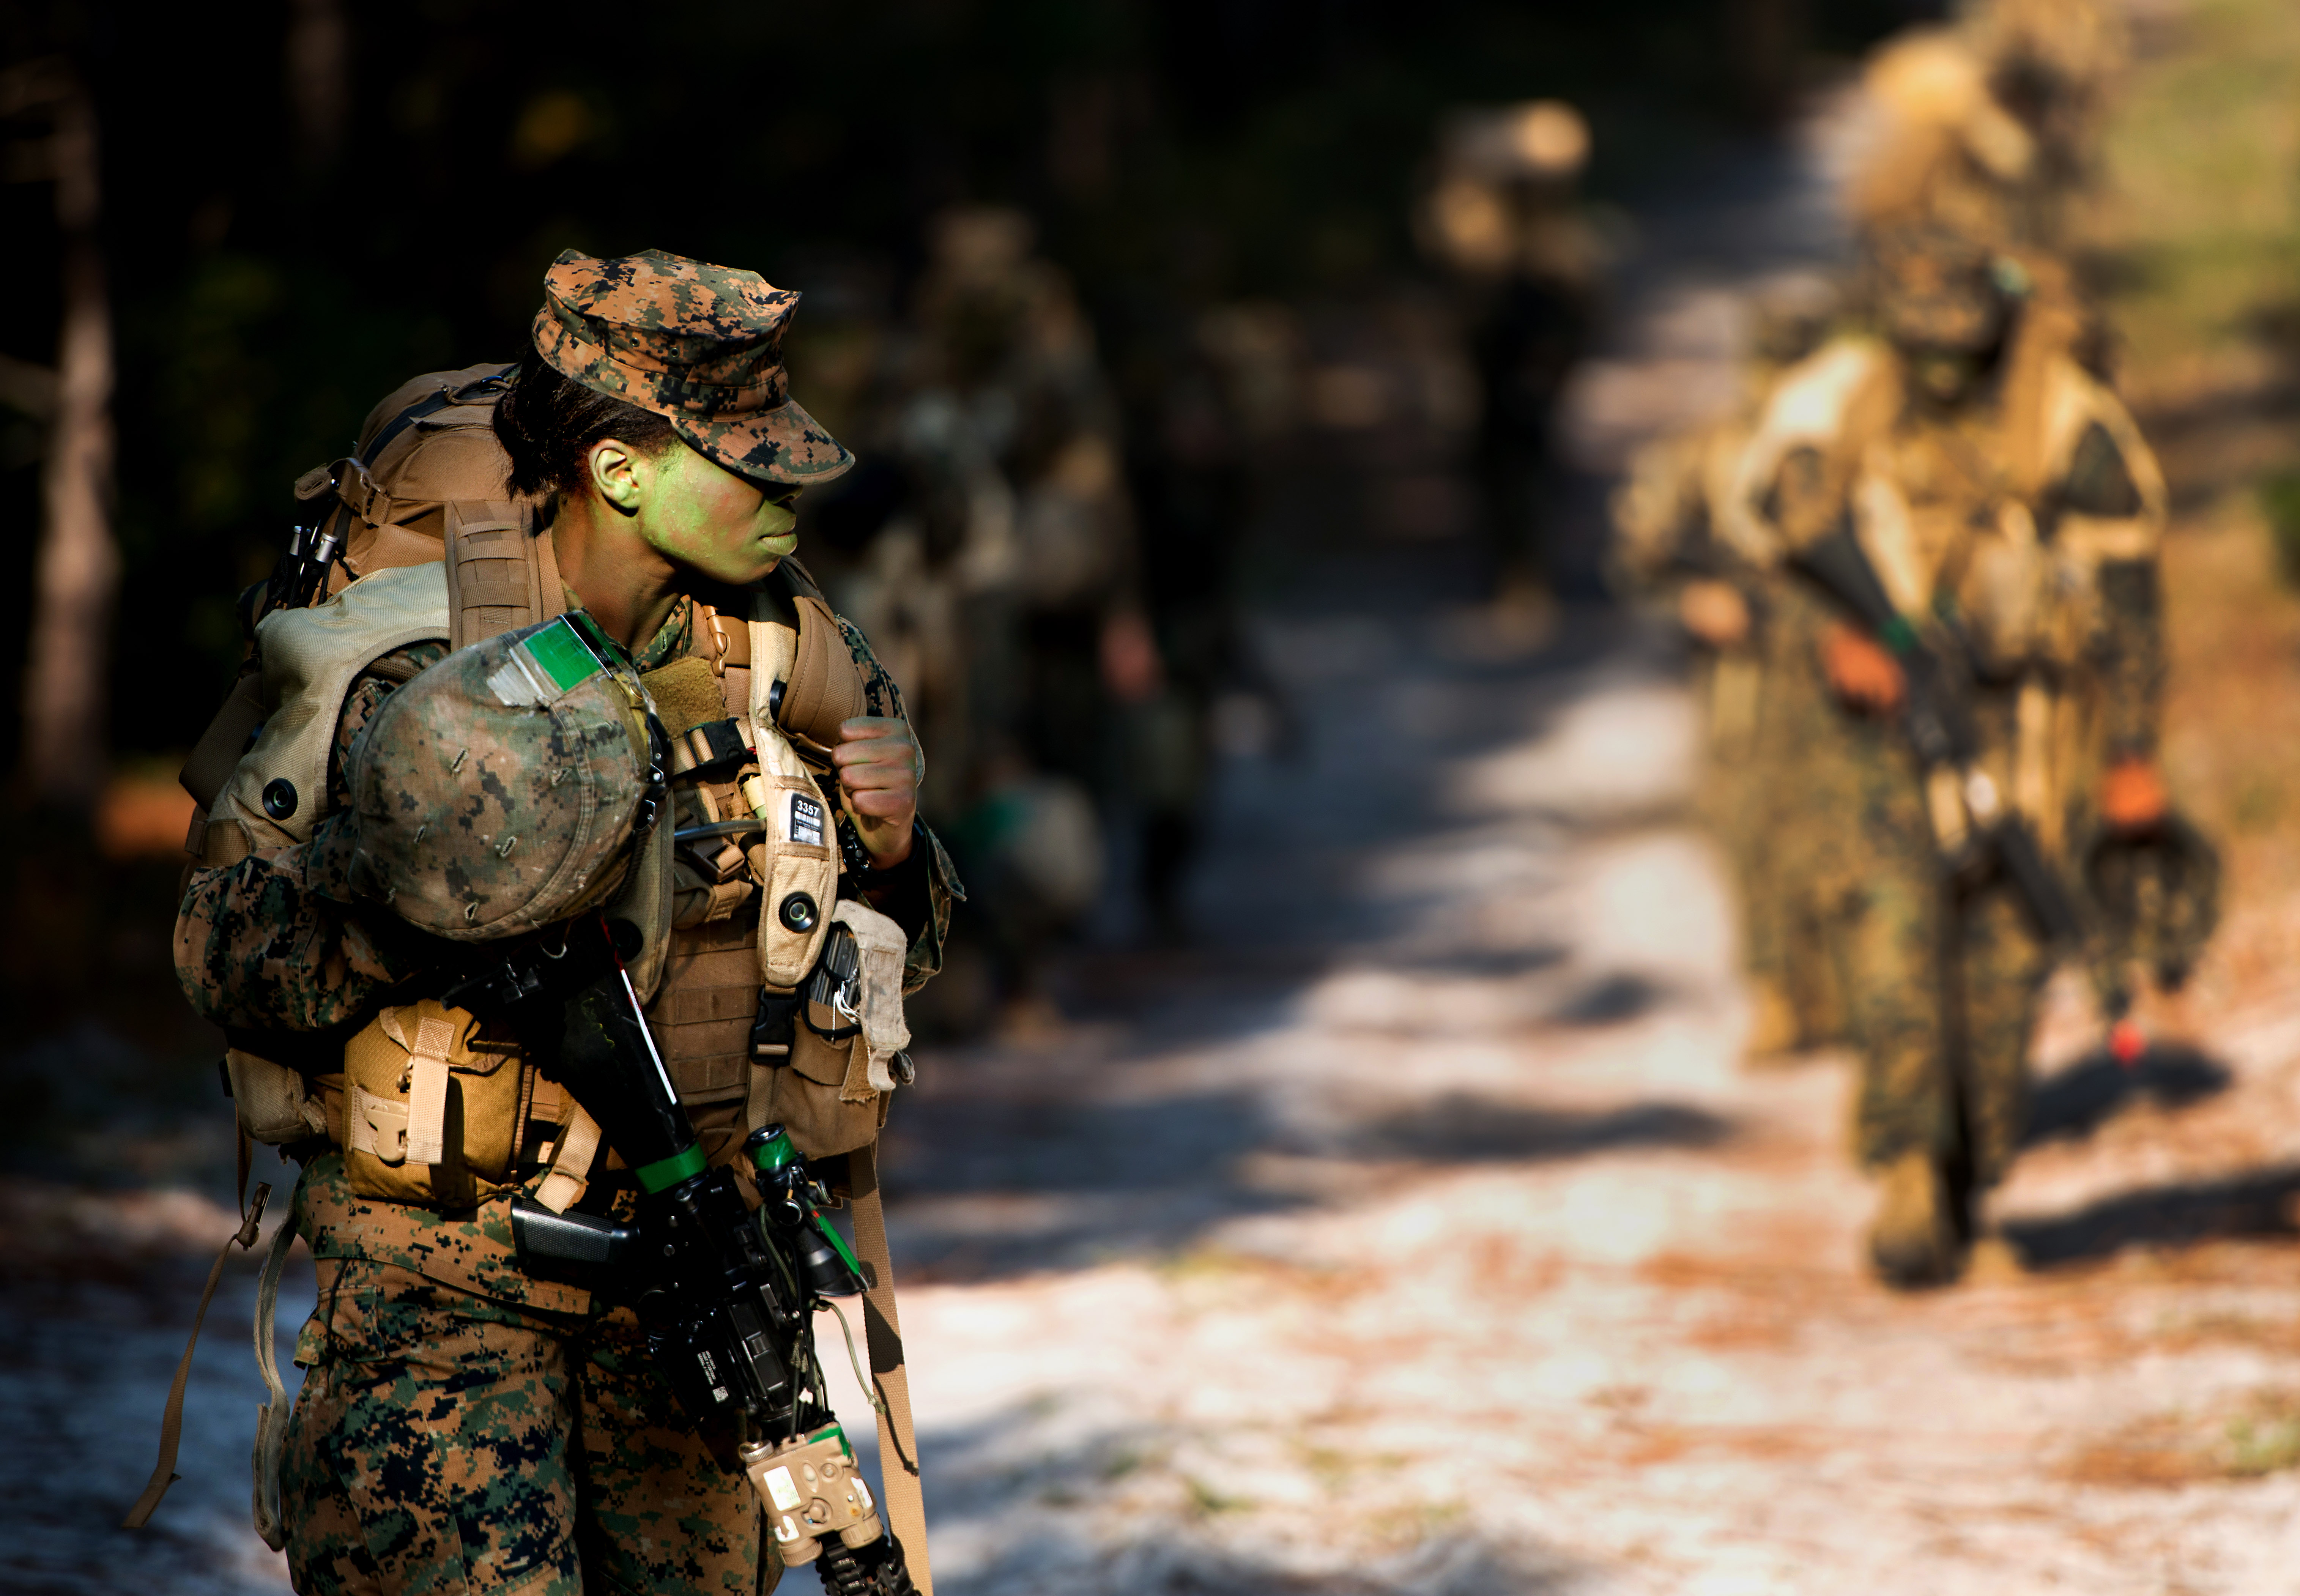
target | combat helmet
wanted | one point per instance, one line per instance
(505, 787)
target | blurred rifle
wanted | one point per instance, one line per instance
(1972, 825)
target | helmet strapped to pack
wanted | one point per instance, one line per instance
(503, 789)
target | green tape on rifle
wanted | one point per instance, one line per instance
(666, 1173)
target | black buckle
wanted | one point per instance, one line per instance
(775, 1028)
(711, 749)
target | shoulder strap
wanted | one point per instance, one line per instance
(172, 1416)
(824, 688)
(898, 1442)
(500, 578)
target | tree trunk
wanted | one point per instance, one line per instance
(319, 79)
(66, 702)
(1764, 40)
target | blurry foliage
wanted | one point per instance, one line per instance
(2280, 505)
(2201, 234)
(2264, 1442)
(1174, 150)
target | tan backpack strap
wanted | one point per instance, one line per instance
(272, 1417)
(172, 1416)
(427, 1091)
(500, 578)
(359, 492)
(898, 1442)
(824, 688)
(571, 1163)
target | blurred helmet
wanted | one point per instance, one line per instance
(1538, 141)
(1934, 290)
(503, 789)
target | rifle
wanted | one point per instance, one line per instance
(1972, 827)
(727, 1300)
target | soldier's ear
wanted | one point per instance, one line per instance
(615, 475)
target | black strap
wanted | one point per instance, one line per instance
(429, 404)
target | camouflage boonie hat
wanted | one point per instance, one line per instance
(1934, 288)
(698, 344)
(499, 791)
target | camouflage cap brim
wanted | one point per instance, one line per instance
(700, 345)
(784, 444)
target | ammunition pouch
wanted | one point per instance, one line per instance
(427, 1116)
(807, 1090)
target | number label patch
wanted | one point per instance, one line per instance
(805, 820)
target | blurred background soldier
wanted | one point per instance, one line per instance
(1991, 126)
(2052, 63)
(1683, 529)
(2004, 502)
(993, 543)
(1186, 463)
(1502, 216)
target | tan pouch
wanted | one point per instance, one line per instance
(806, 1096)
(427, 1119)
(275, 1105)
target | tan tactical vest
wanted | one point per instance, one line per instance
(1970, 517)
(708, 948)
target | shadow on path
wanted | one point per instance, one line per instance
(2256, 1204)
(1463, 1129)
(994, 1189)
(2087, 1095)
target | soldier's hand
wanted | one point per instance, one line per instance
(1860, 670)
(2132, 796)
(879, 768)
(1715, 612)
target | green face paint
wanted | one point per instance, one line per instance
(706, 518)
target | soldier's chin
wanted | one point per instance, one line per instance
(754, 563)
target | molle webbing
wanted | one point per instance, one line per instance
(702, 1017)
(500, 576)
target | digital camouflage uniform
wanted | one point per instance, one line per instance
(1677, 519)
(2026, 514)
(463, 1426)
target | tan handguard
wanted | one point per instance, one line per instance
(810, 1488)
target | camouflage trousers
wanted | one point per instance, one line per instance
(1748, 802)
(1940, 988)
(445, 1442)
(1937, 987)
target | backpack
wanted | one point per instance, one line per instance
(425, 481)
